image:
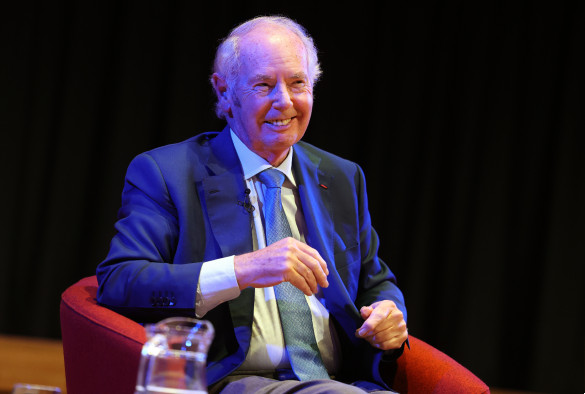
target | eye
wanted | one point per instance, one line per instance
(298, 85)
(262, 87)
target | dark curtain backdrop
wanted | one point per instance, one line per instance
(467, 119)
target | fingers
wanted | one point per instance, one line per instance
(286, 260)
(312, 260)
(302, 277)
(305, 269)
(312, 256)
(384, 327)
(377, 317)
(390, 338)
(387, 342)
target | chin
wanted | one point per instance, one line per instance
(287, 139)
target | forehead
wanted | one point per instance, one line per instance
(272, 49)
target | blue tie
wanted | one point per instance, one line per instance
(295, 315)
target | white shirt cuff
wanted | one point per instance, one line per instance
(217, 284)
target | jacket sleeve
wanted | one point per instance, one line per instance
(138, 277)
(376, 280)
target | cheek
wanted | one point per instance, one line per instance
(306, 107)
(257, 111)
(310, 107)
(306, 101)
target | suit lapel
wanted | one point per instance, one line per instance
(317, 202)
(223, 188)
(231, 225)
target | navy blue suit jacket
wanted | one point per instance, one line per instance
(180, 208)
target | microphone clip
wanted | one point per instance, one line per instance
(246, 203)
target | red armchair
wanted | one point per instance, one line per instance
(102, 351)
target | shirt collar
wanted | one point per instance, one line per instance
(252, 164)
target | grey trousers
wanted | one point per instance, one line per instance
(243, 384)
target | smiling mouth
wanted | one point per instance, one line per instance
(279, 122)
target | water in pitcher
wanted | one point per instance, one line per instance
(174, 357)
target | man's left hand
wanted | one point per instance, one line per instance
(384, 326)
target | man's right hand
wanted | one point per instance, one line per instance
(287, 260)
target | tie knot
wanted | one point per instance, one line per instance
(271, 177)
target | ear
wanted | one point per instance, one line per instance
(219, 85)
(221, 91)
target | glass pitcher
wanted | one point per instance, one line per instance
(174, 357)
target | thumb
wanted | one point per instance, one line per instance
(366, 311)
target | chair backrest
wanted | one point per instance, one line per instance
(101, 348)
(102, 352)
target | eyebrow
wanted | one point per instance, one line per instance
(261, 77)
(264, 77)
(299, 75)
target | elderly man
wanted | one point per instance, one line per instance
(267, 237)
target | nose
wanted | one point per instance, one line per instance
(282, 97)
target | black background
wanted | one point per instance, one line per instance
(467, 120)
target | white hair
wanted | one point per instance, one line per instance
(227, 58)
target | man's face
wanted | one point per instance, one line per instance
(272, 99)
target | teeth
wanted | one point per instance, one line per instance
(282, 122)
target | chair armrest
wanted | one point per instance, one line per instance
(424, 369)
(101, 348)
